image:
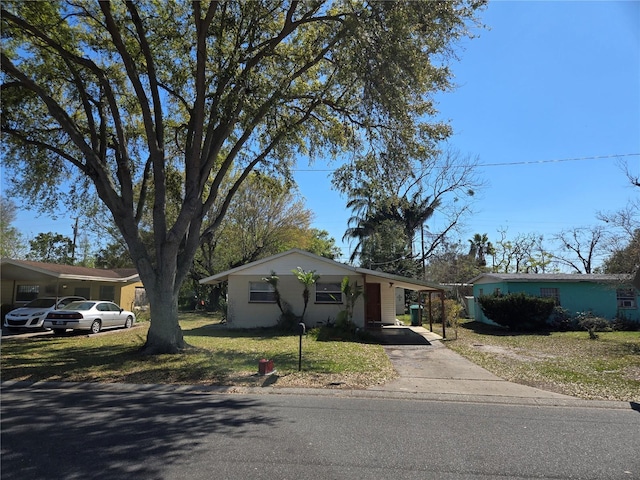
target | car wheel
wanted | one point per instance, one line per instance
(59, 331)
(95, 326)
(128, 322)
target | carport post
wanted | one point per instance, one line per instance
(444, 317)
(430, 313)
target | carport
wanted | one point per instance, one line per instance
(23, 280)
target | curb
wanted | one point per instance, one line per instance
(569, 402)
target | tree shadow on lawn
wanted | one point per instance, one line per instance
(112, 364)
(499, 331)
(58, 431)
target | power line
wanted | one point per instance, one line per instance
(503, 164)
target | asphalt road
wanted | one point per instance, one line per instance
(58, 431)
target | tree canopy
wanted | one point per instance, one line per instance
(154, 106)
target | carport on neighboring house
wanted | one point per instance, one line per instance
(24, 280)
(251, 301)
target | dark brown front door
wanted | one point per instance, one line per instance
(373, 308)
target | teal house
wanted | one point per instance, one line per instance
(607, 296)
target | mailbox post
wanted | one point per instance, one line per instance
(302, 330)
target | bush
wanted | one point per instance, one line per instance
(561, 320)
(288, 321)
(624, 324)
(593, 324)
(518, 311)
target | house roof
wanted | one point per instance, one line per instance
(551, 277)
(26, 270)
(396, 280)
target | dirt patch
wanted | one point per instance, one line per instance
(512, 353)
(357, 381)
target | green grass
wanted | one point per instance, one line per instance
(220, 357)
(565, 362)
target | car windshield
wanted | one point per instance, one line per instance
(41, 303)
(79, 306)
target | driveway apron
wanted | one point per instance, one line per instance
(432, 368)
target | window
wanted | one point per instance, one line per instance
(84, 292)
(261, 292)
(626, 298)
(107, 292)
(551, 293)
(328, 293)
(140, 297)
(26, 293)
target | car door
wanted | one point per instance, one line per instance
(117, 318)
(106, 314)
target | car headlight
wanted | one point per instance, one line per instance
(38, 314)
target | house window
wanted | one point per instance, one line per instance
(626, 298)
(551, 293)
(328, 293)
(84, 292)
(108, 292)
(261, 292)
(26, 293)
(140, 299)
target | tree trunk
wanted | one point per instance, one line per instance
(165, 334)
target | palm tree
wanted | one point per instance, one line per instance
(479, 247)
(307, 279)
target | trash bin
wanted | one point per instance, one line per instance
(415, 315)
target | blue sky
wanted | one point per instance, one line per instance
(545, 83)
(550, 92)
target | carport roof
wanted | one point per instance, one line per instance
(25, 270)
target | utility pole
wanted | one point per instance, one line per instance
(73, 247)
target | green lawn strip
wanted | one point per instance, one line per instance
(566, 362)
(220, 357)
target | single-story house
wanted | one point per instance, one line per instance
(606, 296)
(251, 300)
(23, 280)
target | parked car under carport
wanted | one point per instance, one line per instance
(89, 315)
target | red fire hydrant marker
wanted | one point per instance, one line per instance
(265, 366)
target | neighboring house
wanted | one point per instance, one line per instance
(606, 296)
(23, 280)
(251, 301)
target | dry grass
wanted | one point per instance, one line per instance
(219, 357)
(563, 362)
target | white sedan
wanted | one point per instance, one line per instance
(32, 315)
(89, 315)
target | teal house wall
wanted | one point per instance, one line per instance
(600, 294)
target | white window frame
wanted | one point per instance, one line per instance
(258, 289)
(328, 292)
(626, 298)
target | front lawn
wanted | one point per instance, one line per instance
(220, 357)
(565, 362)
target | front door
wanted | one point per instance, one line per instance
(373, 306)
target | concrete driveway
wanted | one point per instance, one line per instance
(428, 367)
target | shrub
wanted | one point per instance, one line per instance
(592, 323)
(518, 311)
(623, 324)
(561, 320)
(288, 321)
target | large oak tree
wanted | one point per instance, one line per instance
(154, 106)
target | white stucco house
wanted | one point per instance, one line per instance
(251, 302)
